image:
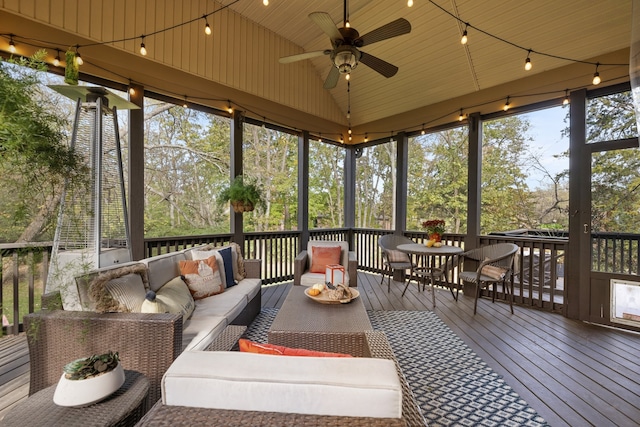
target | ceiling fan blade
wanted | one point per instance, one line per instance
(392, 29)
(301, 56)
(326, 24)
(332, 78)
(377, 64)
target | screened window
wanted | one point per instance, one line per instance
(186, 166)
(437, 179)
(326, 185)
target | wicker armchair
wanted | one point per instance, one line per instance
(147, 343)
(393, 259)
(302, 264)
(495, 266)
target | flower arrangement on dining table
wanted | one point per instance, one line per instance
(434, 228)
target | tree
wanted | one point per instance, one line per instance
(36, 157)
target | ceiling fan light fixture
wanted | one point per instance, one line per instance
(345, 59)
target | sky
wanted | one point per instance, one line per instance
(545, 130)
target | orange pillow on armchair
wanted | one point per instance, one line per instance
(323, 256)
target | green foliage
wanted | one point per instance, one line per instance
(91, 366)
(244, 191)
(31, 133)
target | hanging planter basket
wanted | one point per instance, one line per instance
(240, 207)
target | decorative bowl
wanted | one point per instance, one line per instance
(79, 393)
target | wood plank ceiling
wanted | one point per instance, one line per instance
(434, 65)
(437, 74)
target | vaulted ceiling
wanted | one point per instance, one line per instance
(437, 75)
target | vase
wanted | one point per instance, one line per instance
(436, 237)
(79, 393)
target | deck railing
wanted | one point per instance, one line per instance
(539, 279)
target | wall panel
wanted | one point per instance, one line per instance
(239, 54)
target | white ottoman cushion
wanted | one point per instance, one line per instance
(356, 387)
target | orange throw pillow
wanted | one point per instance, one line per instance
(202, 277)
(254, 347)
(322, 256)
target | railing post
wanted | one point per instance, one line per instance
(303, 188)
(350, 193)
(235, 169)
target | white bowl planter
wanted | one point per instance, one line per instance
(78, 393)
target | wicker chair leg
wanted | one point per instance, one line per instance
(475, 303)
(510, 291)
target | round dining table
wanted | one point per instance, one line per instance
(427, 267)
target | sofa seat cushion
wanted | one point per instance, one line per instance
(310, 279)
(248, 287)
(356, 387)
(200, 331)
(227, 304)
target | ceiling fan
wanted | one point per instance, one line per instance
(346, 42)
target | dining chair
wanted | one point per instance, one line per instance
(495, 266)
(393, 259)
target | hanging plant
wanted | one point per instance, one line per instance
(243, 195)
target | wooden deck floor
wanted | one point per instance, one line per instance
(572, 373)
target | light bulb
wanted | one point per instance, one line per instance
(143, 50)
(527, 64)
(422, 132)
(207, 29)
(366, 138)
(132, 91)
(347, 76)
(349, 131)
(230, 109)
(464, 38)
(565, 101)
(410, 3)
(461, 116)
(349, 138)
(265, 2)
(56, 61)
(346, 24)
(596, 78)
(12, 46)
(79, 60)
(506, 105)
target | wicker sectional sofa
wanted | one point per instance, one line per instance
(147, 342)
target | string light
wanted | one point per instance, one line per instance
(229, 108)
(56, 60)
(132, 91)
(347, 76)
(207, 28)
(410, 3)
(506, 105)
(465, 38)
(12, 45)
(79, 60)
(422, 132)
(265, 2)
(596, 75)
(527, 63)
(461, 116)
(366, 138)
(143, 49)
(184, 104)
(566, 97)
(319, 136)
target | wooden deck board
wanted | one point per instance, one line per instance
(572, 373)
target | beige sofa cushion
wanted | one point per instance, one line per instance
(355, 387)
(163, 268)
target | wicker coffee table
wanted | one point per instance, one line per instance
(304, 323)
(124, 408)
